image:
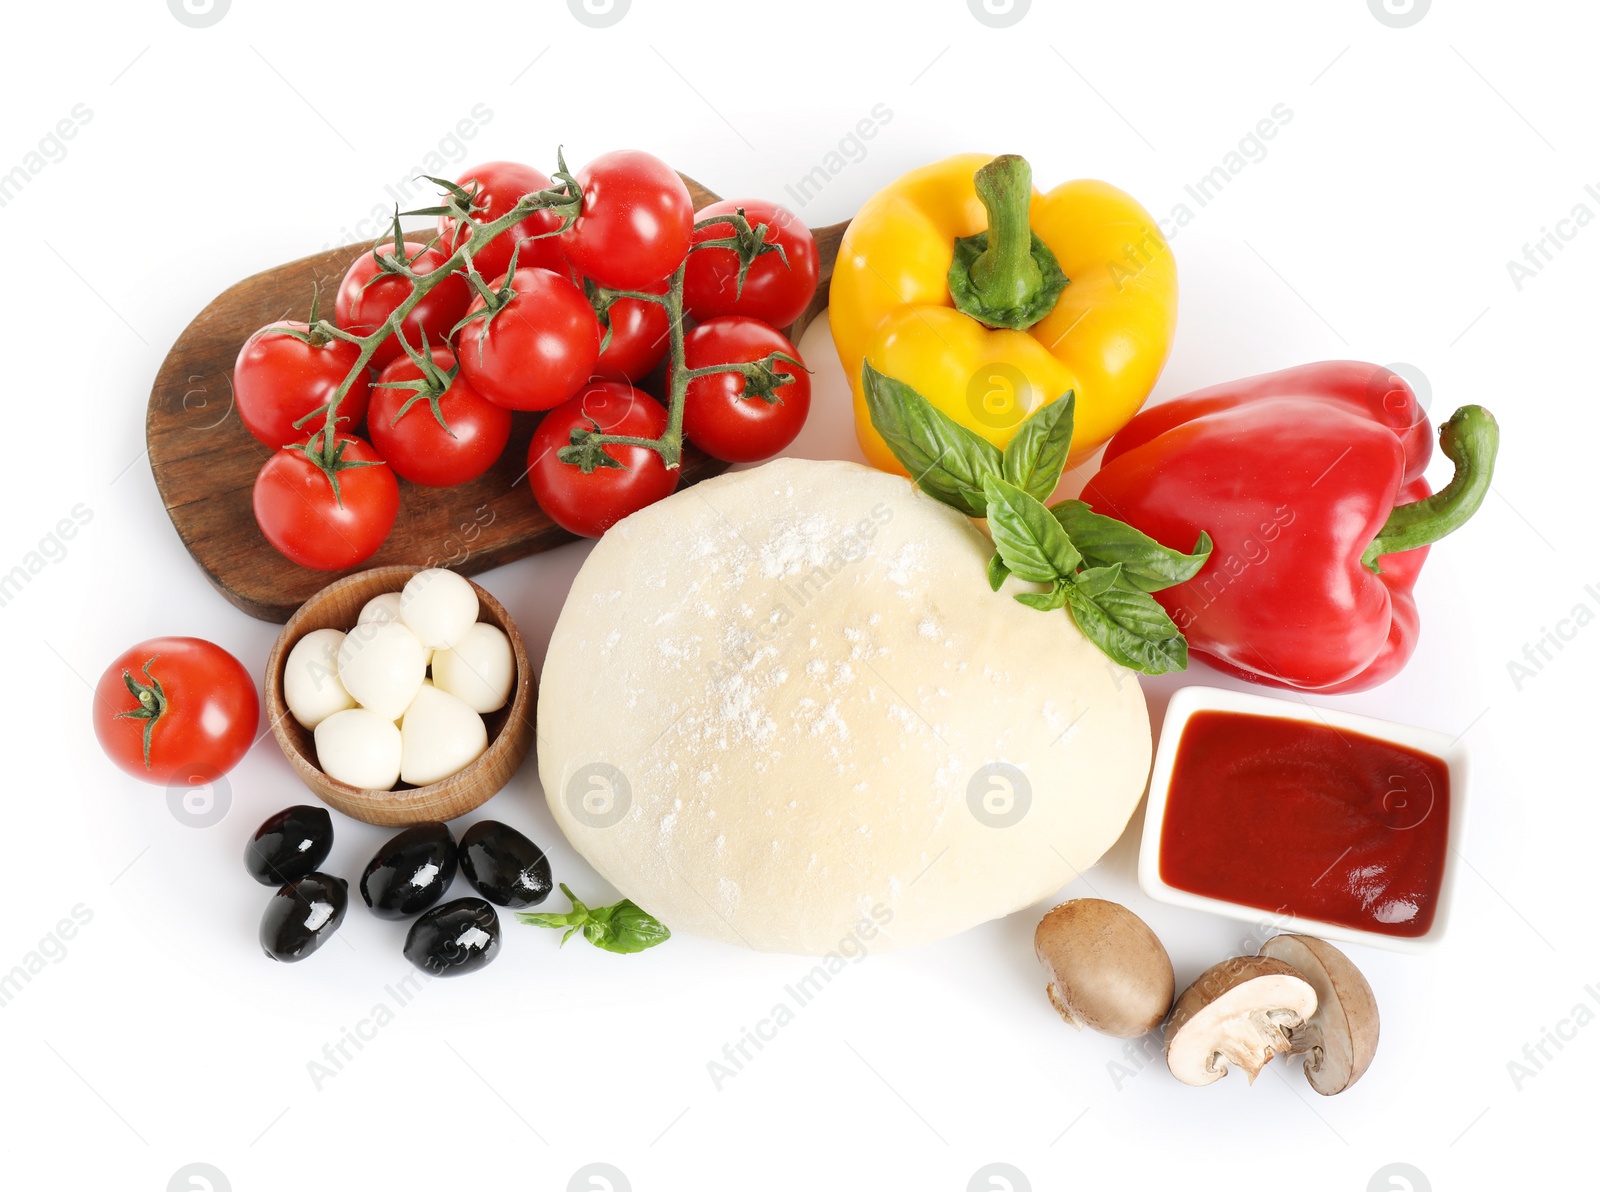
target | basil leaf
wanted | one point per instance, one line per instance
(1130, 628)
(1037, 453)
(621, 927)
(1030, 541)
(1147, 566)
(1045, 602)
(947, 461)
(1095, 580)
(626, 928)
(998, 572)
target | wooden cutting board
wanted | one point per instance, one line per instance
(205, 461)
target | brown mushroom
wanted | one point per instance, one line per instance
(1107, 969)
(1238, 1013)
(1339, 1040)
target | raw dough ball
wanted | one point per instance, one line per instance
(480, 668)
(782, 708)
(311, 684)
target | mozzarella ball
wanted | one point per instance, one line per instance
(385, 606)
(479, 669)
(359, 747)
(381, 666)
(311, 685)
(439, 735)
(383, 609)
(439, 607)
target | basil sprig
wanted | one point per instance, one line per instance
(621, 927)
(1101, 570)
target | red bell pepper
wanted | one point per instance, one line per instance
(1310, 483)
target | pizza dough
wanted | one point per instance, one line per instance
(783, 709)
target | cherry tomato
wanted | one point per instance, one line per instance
(724, 413)
(639, 336)
(635, 223)
(773, 292)
(591, 504)
(537, 349)
(416, 446)
(279, 379)
(368, 296)
(176, 710)
(497, 186)
(296, 509)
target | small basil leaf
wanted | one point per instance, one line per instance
(1130, 628)
(1045, 602)
(1095, 580)
(947, 461)
(1037, 453)
(629, 928)
(1031, 542)
(998, 571)
(1147, 566)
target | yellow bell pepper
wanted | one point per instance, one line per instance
(950, 280)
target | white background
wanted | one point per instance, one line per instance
(1378, 225)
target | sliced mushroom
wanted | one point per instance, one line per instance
(1339, 1040)
(1107, 969)
(1236, 1014)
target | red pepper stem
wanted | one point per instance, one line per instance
(1470, 440)
(1005, 273)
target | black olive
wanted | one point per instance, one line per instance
(455, 938)
(504, 865)
(411, 871)
(289, 845)
(303, 915)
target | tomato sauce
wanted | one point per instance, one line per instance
(1304, 819)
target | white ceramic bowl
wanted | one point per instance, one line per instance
(1189, 700)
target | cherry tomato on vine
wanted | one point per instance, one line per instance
(635, 224)
(639, 337)
(535, 350)
(738, 418)
(591, 503)
(368, 296)
(296, 508)
(416, 445)
(774, 292)
(279, 378)
(178, 711)
(497, 186)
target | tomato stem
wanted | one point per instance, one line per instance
(152, 703)
(323, 448)
(761, 378)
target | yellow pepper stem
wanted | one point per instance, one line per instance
(1005, 276)
(1005, 273)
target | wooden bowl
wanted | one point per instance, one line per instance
(510, 729)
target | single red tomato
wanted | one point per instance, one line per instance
(176, 710)
(496, 186)
(590, 504)
(368, 296)
(281, 377)
(734, 417)
(536, 350)
(635, 223)
(448, 436)
(774, 292)
(638, 335)
(297, 510)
